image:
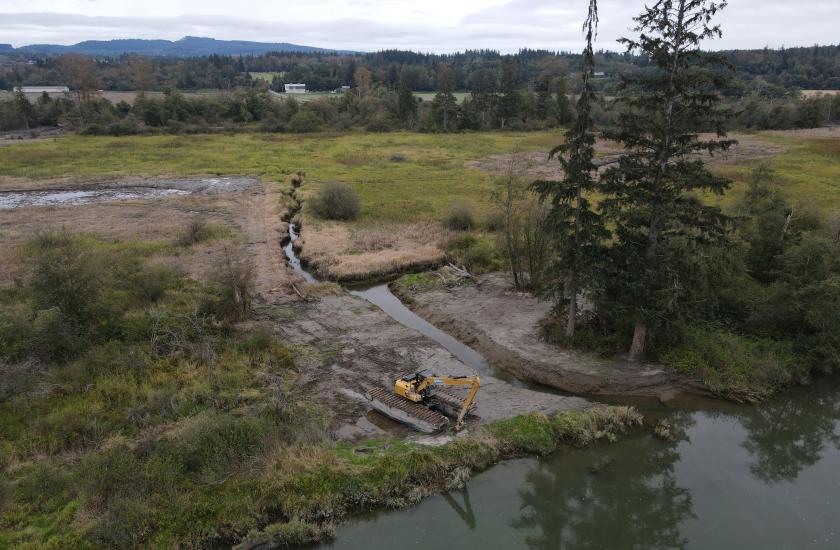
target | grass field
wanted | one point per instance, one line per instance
(813, 93)
(428, 96)
(420, 187)
(403, 177)
(267, 76)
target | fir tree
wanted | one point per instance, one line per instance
(650, 194)
(444, 105)
(577, 228)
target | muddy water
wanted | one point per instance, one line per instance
(143, 190)
(733, 477)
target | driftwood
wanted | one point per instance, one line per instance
(462, 272)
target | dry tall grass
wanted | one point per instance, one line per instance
(340, 253)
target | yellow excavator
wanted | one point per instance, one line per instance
(422, 401)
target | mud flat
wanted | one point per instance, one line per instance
(151, 189)
(503, 326)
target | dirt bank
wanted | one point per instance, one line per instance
(502, 325)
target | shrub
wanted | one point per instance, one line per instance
(476, 254)
(336, 201)
(195, 232)
(459, 218)
(303, 122)
(397, 157)
(494, 222)
(737, 367)
(15, 334)
(234, 288)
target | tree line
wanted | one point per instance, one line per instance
(765, 71)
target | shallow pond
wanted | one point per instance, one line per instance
(142, 190)
(734, 477)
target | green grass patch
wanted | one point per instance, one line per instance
(422, 187)
(807, 174)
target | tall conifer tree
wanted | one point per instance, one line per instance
(651, 193)
(577, 228)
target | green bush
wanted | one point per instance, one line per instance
(459, 218)
(494, 222)
(15, 334)
(196, 231)
(478, 255)
(304, 122)
(737, 367)
(336, 201)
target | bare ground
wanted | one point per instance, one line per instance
(537, 165)
(502, 324)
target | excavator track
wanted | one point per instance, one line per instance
(401, 409)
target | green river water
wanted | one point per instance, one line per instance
(739, 477)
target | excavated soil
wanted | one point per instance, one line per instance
(354, 346)
(503, 325)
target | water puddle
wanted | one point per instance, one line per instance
(145, 190)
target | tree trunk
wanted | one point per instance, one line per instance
(572, 314)
(639, 337)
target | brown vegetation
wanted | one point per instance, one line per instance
(342, 253)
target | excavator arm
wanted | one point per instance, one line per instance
(473, 381)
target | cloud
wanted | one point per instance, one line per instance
(371, 25)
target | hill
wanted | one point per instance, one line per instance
(189, 46)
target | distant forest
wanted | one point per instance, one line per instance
(767, 72)
(527, 91)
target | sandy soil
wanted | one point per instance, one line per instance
(502, 324)
(537, 165)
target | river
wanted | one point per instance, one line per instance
(734, 477)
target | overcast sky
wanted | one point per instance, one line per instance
(369, 25)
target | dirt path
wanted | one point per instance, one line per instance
(502, 325)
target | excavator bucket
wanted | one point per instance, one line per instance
(415, 415)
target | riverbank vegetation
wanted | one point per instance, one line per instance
(138, 410)
(726, 296)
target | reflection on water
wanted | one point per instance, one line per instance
(787, 435)
(733, 477)
(601, 499)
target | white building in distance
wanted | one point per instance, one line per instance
(295, 88)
